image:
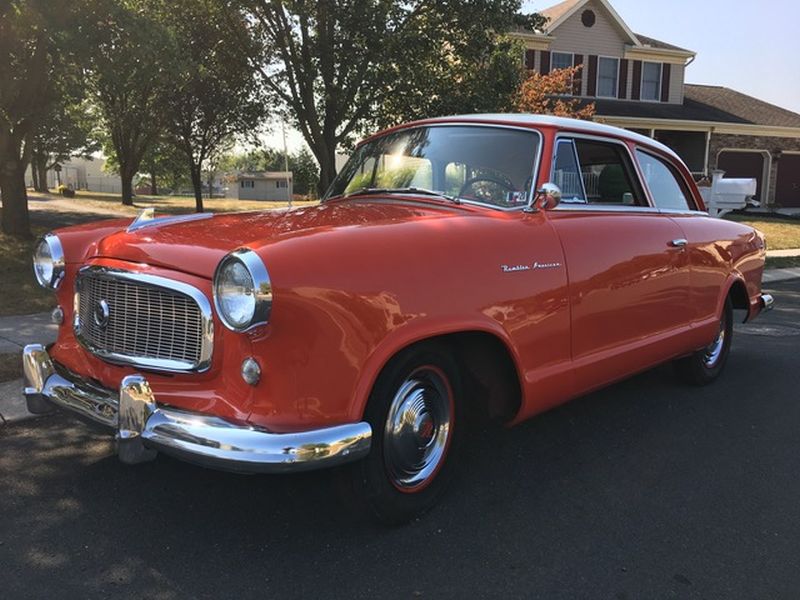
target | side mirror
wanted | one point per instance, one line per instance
(548, 197)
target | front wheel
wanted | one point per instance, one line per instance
(415, 411)
(705, 365)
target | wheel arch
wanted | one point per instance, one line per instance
(485, 356)
(736, 289)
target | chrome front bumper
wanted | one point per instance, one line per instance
(767, 302)
(143, 428)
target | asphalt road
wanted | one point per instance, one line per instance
(648, 489)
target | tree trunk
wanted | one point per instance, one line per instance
(40, 174)
(327, 167)
(197, 184)
(16, 220)
(127, 185)
(153, 185)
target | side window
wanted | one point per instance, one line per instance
(666, 187)
(566, 174)
(607, 174)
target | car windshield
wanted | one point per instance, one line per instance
(489, 165)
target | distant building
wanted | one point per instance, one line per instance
(81, 174)
(265, 185)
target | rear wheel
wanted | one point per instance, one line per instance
(417, 425)
(705, 365)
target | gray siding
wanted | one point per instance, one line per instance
(604, 38)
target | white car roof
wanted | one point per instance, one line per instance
(589, 127)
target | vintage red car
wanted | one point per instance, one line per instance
(490, 265)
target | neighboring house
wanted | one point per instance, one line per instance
(638, 83)
(81, 174)
(265, 185)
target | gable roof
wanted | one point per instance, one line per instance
(564, 10)
(705, 103)
(654, 43)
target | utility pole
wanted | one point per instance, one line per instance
(286, 164)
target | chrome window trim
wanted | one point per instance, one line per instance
(671, 211)
(262, 285)
(536, 162)
(154, 364)
(567, 206)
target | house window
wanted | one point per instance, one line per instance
(607, 75)
(651, 81)
(561, 60)
(248, 184)
(281, 183)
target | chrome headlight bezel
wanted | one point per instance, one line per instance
(57, 268)
(261, 289)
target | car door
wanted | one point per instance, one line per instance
(626, 263)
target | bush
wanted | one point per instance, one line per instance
(66, 191)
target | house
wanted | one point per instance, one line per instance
(265, 185)
(638, 82)
(81, 174)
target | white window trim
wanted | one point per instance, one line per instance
(616, 82)
(660, 81)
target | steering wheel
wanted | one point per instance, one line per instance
(505, 183)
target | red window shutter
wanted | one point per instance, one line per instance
(530, 57)
(636, 88)
(544, 68)
(623, 79)
(577, 61)
(591, 82)
(665, 73)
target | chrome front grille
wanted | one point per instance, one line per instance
(143, 320)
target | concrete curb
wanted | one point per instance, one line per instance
(12, 402)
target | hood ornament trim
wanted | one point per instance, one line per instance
(147, 218)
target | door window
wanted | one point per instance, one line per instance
(666, 187)
(607, 174)
(566, 174)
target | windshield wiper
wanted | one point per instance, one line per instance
(405, 190)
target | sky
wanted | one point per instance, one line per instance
(751, 47)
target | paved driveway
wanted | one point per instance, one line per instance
(648, 489)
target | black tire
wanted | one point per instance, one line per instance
(705, 365)
(420, 381)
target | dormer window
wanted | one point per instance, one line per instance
(607, 77)
(651, 81)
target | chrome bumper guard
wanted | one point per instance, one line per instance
(767, 302)
(143, 428)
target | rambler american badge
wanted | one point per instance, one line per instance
(532, 267)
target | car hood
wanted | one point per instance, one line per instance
(196, 245)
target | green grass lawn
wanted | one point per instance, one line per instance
(783, 262)
(21, 293)
(781, 234)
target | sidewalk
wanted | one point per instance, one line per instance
(15, 333)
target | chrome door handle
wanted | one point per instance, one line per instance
(679, 243)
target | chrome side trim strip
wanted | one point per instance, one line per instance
(143, 427)
(155, 364)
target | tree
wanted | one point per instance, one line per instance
(35, 37)
(334, 63)
(547, 95)
(131, 77)
(166, 164)
(215, 97)
(67, 130)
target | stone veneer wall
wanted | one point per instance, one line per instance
(753, 142)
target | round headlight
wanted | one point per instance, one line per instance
(48, 262)
(242, 290)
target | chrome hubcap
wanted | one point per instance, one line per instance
(418, 429)
(714, 349)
